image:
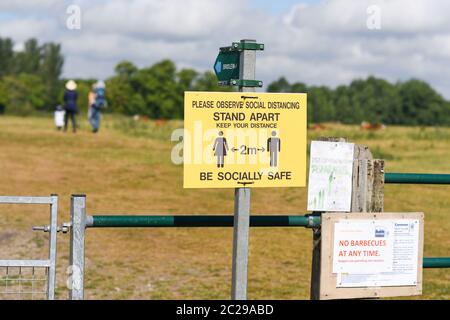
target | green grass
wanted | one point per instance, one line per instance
(126, 168)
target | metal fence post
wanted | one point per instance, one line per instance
(242, 200)
(240, 243)
(77, 244)
(52, 247)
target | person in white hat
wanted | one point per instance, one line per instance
(70, 105)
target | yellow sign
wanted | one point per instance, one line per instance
(244, 139)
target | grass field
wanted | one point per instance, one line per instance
(126, 168)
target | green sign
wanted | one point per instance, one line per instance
(226, 66)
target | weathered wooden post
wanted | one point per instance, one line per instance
(367, 196)
(367, 181)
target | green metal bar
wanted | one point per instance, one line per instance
(443, 262)
(248, 46)
(239, 46)
(245, 83)
(417, 178)
(310, 221)
(126, 221)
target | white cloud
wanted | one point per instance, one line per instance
(170, 20)
(23, 29)
(323, 43)
(28, 5)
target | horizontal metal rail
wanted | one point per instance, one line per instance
(436, 262)
(422, 178)
(26, 200)
(126, 221)
(417, 178)
(25, 263)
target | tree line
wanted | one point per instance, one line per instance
(30, 81)
(156, 91)
(413, 102)
(29, 78)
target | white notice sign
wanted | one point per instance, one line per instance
(363, 246)
(404, 260)
(330, 176)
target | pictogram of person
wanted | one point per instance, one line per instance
(273, 147)
(220, 149)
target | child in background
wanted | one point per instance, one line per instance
(59, 117)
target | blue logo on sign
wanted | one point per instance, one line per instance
(218, 66)
(379, 232)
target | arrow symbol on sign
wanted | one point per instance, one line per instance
(234, 149)
(262, 149)
(218, 66)
(244, 183)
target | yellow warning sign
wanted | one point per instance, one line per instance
(244, 139)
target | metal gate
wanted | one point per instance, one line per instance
(31, 279)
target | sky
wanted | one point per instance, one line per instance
(318, 42)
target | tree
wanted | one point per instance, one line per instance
(119, 94)
(421, 104)
(157, 86)
(122, 97)
(186, 79)
(344, 111)
(28, 60)
(125, 69)
(44, 61)
(320, 104)
(280, 85)
(298, 87)
(50, 69)
(207, 81)
(25, 92)
(6, 56)
(376, 100)
(3, 96)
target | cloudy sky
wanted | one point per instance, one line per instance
(314, 41)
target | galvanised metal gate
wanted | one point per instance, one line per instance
(80, 221)
(24, 285)
(30, 279)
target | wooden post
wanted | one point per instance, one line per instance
(368, 182)
(377, 204)
(362, 179)
(367, 196)
(315, 266)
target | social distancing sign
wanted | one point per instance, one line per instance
(244, 139)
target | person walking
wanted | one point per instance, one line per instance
(91, 101)
(97, 102)
(70, 105)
